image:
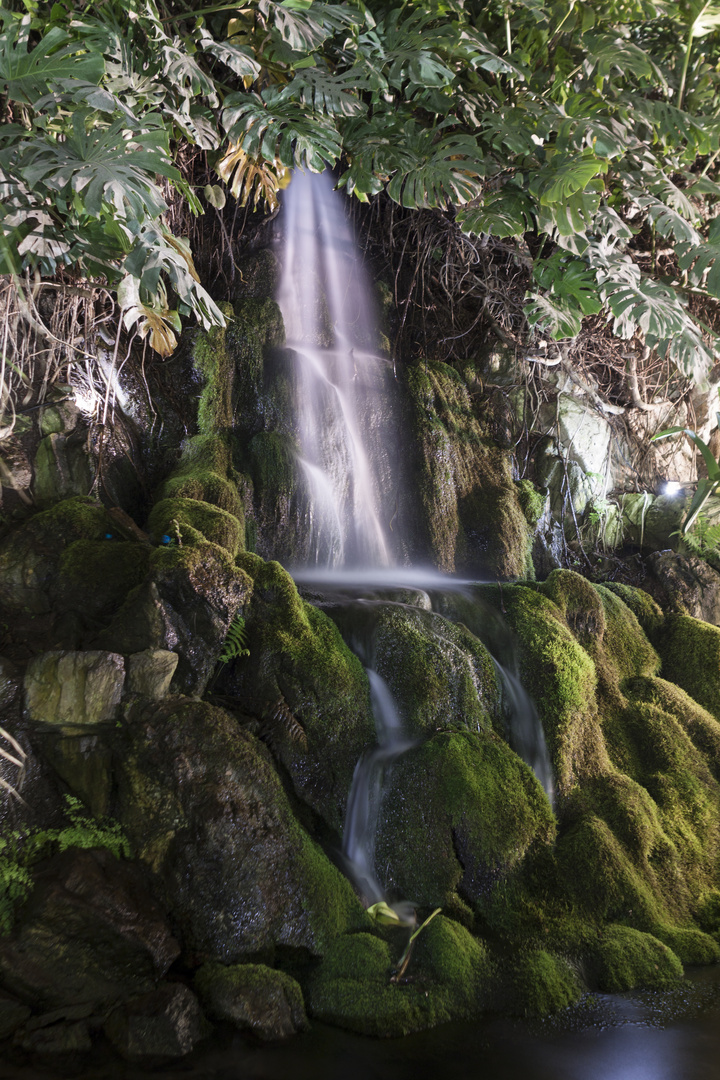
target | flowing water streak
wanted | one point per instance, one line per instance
(366, 791)
(323, 294)
(525, 731)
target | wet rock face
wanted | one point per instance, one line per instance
(204, 807)
(686, 581)
(90, 933)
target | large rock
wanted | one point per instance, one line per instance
(62, 468)
(186, 606)
(162, 1024)
(684, 581)
(76, 688)
(204, 807)
(253, 997)
(90, 933)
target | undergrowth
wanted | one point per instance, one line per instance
(22, 849)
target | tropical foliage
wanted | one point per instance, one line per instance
(578, 129)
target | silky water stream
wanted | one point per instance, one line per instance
(327, 308)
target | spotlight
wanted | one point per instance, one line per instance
(672, 487)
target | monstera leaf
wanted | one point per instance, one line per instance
(27, 74)
(329, 94)
(101, 166)
(505, 213)
(564, 175)
(272, 128)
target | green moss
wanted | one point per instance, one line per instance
(460, 815)
(532, 501)
(646, 610)
(625, 644)
(542, 983)
(254, 996)
(708, 912)
(558, 674)
(73, 519)
(690, 945)
(273, 465)
(300, 659)
(624, 958)
(213, 361)
(96, 575)
(198, 521)
(690, 654)
(451, 977)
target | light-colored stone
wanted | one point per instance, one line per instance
(74, 687)
(150, 673)
(62, 469)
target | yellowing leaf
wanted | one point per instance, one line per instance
(248, 177)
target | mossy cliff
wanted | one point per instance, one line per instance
(473, 518)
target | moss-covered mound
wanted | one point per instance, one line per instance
(308, 691)
(354, 987)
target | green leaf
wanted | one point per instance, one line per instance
(564, 175)
(505, 213)
(26, 75)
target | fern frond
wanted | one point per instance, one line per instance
(235, 641)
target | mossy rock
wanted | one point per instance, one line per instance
(95, 576)
(252, 997)
(541, 983)
(200, 799)
(306, 686)
(460, 813)
(646, 610)
(30, 554)
(625, 643)
(700, 725)
(690, 653)
(624, 958)
(440, 675)
(197, 521)
(691, 945)
(559, 676)
(451, 980)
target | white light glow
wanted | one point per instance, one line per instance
(672, 487)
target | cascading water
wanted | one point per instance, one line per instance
(326, 307)
(325, 303)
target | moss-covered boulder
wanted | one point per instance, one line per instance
(440, 675)
(185, 604)
(690, 651)
(205, 809)
(307, 689)
(254, 998)
(459, 815)
(624, 958)
(353, 986)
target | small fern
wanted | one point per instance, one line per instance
(235, 642)
(21, 850)
(704, 540)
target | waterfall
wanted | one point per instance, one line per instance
(327, 310)
(328, 314)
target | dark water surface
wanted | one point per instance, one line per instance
(667, 1035)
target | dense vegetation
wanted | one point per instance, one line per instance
(571, 128)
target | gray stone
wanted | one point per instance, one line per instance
(60, 418)
(164, 1023)
(82, 758)
(55, 1039)
(74, 687)
(685, 581)
(150, 673)
(583, 433)
(253, 997)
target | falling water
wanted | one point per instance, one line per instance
(367, 788)
(525, 731)
(326, 308)
(325, 303)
